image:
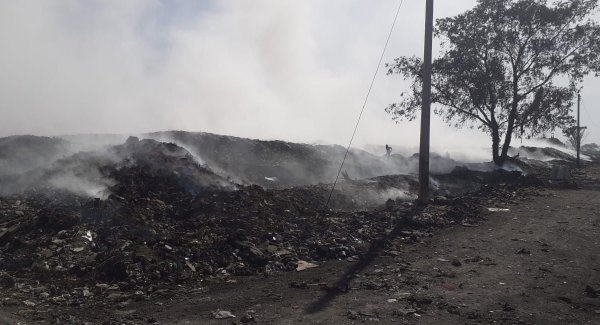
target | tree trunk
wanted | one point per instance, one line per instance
(512, 116)
(508, 135)
(505, 147)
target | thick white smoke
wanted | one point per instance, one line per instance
(271, 69)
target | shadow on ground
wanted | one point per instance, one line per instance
(377, 246)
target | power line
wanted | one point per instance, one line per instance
(337, 178)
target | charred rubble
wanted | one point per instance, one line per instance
(165, 219)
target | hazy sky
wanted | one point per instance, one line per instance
(272, 69)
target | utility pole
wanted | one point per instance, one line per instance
(426, 109)
(578, 130)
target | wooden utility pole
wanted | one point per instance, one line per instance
(578, 131)
(426, 109)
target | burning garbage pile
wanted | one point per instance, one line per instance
(592, 150)
(168, 220)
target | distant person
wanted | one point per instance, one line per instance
(388, 150)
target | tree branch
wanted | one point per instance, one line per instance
(551, 73)
(531, 61)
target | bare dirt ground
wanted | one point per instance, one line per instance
(535, 261)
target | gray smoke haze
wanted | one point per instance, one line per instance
(270, 69)
(39, 163)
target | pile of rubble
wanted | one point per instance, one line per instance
(169, 221)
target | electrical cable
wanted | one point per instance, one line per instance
(337, 178)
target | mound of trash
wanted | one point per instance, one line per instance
(270, 164)
(279, 164)
(93, 173)
(168, 221)
(591, 150)
(542, 154)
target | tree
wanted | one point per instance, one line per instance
(507, 67)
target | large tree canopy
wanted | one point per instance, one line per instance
(507, 67)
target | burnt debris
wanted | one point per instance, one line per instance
(165, 219)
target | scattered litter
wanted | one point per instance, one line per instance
(191, 266)
(464, 224)
(303, 265)
(222, 314)
(29, 303)
(88, 236)
(498, 210)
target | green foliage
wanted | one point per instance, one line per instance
(507, 67)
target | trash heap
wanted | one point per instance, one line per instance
(168, 221)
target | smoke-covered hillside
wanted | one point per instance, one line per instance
(98, 173)
(81, 163)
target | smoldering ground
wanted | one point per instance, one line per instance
(93, 173)
(90, 166)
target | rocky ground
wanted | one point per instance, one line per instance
(173, 242)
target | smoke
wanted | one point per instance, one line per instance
(269, 69)
(21, 154)
(91, 185)
(55, 164)
(544, 149)
(360, 194)
(395, 194)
